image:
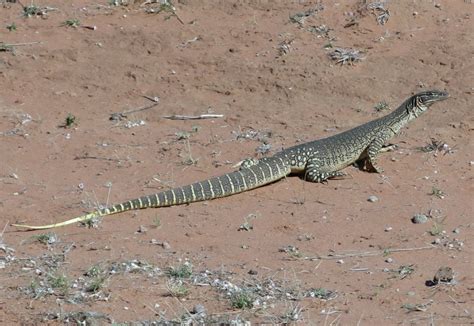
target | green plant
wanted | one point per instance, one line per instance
(437, 192)
(156, 222)
(72, 23)
(46, 238)
(182, 271)
(70, 121)
(241, 300)
(11, 27)
(177, 289)
(32, 10)
(381, 106)
(93, 271)
(436, 229)
(96, 284)
(59, 282)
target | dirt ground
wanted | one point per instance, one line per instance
(290, 252)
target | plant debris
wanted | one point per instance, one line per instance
(381, 13)
(345, 55)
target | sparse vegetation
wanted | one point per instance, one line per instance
(72, 23)
(100, 276)
(292, 251)
(241, 300)
(6, 47)
(70, 121)
(343, 56)
(300, 17)
(182, 271)
(381, 106)
(156, 222)
(403, 271)
(11, 27)
(177, 288)
(46, 238)
(381, 13)
(435, 146)
(437, 192)
(118, 3)
(33, 10)
(96, 284)
(59, 282)
(436, 229)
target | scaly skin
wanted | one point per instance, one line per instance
(318, 160)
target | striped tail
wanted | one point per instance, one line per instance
(265, 171)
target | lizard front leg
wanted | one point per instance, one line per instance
(374, 148)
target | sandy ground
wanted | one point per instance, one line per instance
(289, 252)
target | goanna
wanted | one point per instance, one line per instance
(317, 161)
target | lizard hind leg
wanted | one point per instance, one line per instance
(248, 162)
(313, 172)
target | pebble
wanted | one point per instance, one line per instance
(340, 261)
(373, 199)
(456, 230)
(141, 229)
(166, 245)
(199, 309)
(389, 260)
(419, 218)
(388, 229)
(411, 293)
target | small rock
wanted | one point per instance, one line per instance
(456, 230)
(437, 241)
(388, 229)
(373, 199)
(444, 274)
(253, 272)
(419, 218)
(389, 260)
(166, 245)
(340, 261)
(199, 309)
(438, 6)
(142, 229)
(411, 293)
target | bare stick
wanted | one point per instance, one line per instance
(193, 117)
(367, 253)
(20, 44)
(88, 157)
(123, 115)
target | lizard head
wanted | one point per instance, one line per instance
(418, 103)
(429, 97)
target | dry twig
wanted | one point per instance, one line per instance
(193, 117)
(367, 253)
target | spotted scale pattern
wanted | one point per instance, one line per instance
(318, 160)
